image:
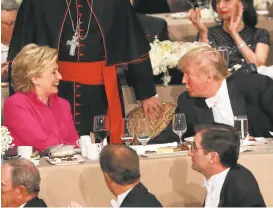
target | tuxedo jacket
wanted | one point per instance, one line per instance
(36, 202)
(140, 197)
(153, 26)
(240, 189)
(151, 6)
(250, 94)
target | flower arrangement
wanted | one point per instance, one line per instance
(166, 54)
(262, 4)
(6, 140)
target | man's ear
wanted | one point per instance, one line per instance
(22, 192)
(214, 158)
(107, 177)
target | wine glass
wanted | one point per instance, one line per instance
(192, 3)
(241, 126)
(101, 127)
(203, 4)
(179, 125)
(127, 137)
(223, 50)
(144, 130)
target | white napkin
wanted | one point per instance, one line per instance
(266, 70)
(151, 147)
(271, 133)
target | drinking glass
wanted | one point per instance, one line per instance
(127, 137)
(203, 4)
(192, 3)
(241, 126)
(144, 130)
(179, 125)
(101, 128)
(223, 50)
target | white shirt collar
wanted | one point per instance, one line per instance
(211, 101)
(120, 199)
(216, 180)
(22, 205)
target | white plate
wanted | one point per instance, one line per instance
(189, 139)
(179, 15)
(79, 159)
(165, 154)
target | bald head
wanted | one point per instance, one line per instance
(120, 163)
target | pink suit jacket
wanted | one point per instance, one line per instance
(32, 123)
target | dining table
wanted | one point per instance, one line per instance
(170, 178)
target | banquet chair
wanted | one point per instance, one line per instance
(156, 126)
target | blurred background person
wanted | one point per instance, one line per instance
(35, 115)
(236, 31)
(120, 167)
(213, 95)
(214, 153)
(20, 184)
(8, 16)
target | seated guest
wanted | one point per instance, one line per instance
(237, 31)
(214, 96)
(151, 6)
(214, 154)
(8, 16)
(20, 181)
(120, 167)
(35, 115)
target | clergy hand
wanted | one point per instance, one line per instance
(152, 107)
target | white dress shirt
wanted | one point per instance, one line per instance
(214, 186)
(221, 106)
(120, 198)
(4, 53)
(22, 205)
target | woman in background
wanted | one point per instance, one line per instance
(237, 31)
(35, 115)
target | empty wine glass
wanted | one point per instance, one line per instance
(223, 50)
(101, 128)
(193, 3)
(241, 126)
(144, 130)
(179, 125)
(127, 137)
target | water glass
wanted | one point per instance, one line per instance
(127, 137)
(241, 126)
(224, 53)
(179, 125)
(144, 130)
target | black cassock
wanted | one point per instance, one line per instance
(114, 35)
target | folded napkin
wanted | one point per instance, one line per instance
(151, 147)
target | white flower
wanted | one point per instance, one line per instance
(6, 140)
(165, 55)
(259, 2)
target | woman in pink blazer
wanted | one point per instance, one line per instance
(35, 115)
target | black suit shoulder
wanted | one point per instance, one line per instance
(241, 189)
(36, 202)
(140, 197)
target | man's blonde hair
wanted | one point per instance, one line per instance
(208, 59)
(30, 61)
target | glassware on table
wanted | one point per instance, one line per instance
(144, 131)
(127, 137)
(203, 4)
(193, 3)
(179, 125)
(101, 128)
(241, 126)
(223, 50)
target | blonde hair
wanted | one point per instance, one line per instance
(208, 59)
(30, 61)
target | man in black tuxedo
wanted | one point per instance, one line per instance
(214, 154)
(20, 180)
(215, 96)
(120, 167)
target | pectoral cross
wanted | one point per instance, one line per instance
(73, 44)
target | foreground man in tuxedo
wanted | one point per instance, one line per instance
(214, 154)
(215, 96)
(20, 181)
(120, 167)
